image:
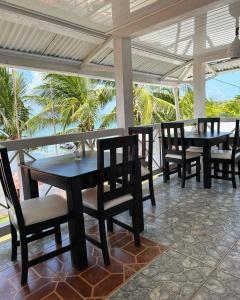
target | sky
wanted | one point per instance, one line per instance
(223, 87)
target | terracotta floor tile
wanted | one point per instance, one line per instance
(116, 237)
(128, 272)
(92, 230)
(122, 242)
(52, 296)
(147, 242)
(114, 267)
(148, 254)
(43, 270)
(10, 271)
(55, 264)
(122, 256)
(94, 275)
(16, 280)
(43, 291)
(57, 279)
(136, 267)
(66, 292)
(31, 288)
(80, 285)
(7, 291)
(108, 285)
(133, 249)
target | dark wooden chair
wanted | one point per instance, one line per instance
(110, 197)
(205, 125)
(174, 151)
(145, 138)
(33, 218)
(229, 157)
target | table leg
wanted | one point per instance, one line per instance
(225, 166)
(30, 186)
(206, 167)
(76, 226)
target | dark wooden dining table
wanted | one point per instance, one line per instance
(73, 176)
(207, 140)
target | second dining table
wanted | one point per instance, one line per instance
(207, 140)
(73, 176)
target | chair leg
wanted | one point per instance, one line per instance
(166, 172)
(151, 190)
(179, 170)
(233, 176)
(239, 170)
(24, 258)
(58, 235)
(14, 242)
(135, 224)
(183, 175)
(216, 167)
(110, 225)
(103, 240)
(189, 168)
(198, 170)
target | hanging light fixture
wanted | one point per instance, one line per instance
(234, 47)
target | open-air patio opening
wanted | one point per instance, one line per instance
(190, 237)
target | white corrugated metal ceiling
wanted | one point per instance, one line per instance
(157, 53)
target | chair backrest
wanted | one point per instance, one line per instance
(8, 186)
(145, 146)
(236, 140)
(173, 139)
(209, 125)
(117, 158)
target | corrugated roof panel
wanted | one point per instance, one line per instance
(23, 38)
(67, 47)
(34, 40)
(148, 65)
(102, 55)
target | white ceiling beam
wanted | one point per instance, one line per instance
(48, 23)
(157, 54)
(176, 69)
(211, 55)
(165, 16)
(47, 63)
(185, 73)
(98, 50)
(69, 67)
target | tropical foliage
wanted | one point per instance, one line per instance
(81, 104)
(69, 100)
(13, 110)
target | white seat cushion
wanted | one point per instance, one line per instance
(89, 198)
(195, 149)
(224, 154)
(144, 171)
(188, 155)
(37, 210)
(199, 149)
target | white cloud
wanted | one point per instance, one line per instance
(36, 81)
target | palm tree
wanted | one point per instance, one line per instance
(77, 103)
(149, 106)
(232, 107)
(186, 104)
(13, 113)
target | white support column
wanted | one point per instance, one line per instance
(199, 89)
(198, 66)
(176, 100)
(123, 77)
